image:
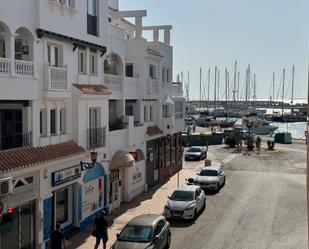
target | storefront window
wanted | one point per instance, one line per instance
(62, 199)
(114, 185)
(167, 152)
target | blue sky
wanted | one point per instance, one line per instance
(269, 34)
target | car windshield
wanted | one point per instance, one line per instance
(194, 149)
(133, 233)
(209, 173)
(182, 196)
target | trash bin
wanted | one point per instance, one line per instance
(287, 138)
(279, 138)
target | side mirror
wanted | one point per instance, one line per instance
(156, 237)
(117, 235)
(198, 174)
(168, 197)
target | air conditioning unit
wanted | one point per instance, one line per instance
(3, 205)
(6, 186)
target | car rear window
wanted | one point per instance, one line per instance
(133, 233)
(182, 196)
(209, 173)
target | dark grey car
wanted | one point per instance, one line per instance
(147, 231)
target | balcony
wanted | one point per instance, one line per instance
(153, 87)
(56, 78)
(16, 68)
(96, 137)
(113, 82)
(177, 90)
(15, 140)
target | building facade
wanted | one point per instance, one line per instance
(78, 79)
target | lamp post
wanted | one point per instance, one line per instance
(88, 165)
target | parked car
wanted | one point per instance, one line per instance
(185, 203)
(147, 231)
(212, 177)
(196, 153)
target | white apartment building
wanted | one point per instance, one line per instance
(77, 77)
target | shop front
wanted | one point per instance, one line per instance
(18, 225)
(152, 162)
(170, 155)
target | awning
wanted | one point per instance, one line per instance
(121, 159)
(168, 101)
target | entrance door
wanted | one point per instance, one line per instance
(19, 231)
(27, 226)
(11, 129)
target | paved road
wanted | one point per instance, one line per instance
(263, 204)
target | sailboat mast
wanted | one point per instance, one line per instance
(218, 85)
(234, 90)
(249, 82)
(215, 91)
(254, 87)
(273, 97)
(293, 78)
(200, 89)
(226, 86)
(208, 87)
(283, 83)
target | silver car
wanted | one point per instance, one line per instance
(147, 231)
(212, 177)
(196, 153)
(185, 203)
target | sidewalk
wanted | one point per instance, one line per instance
(152, 201)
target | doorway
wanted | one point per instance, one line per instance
(19, 232)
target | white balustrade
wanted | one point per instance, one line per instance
(24, 68)
(5, 66)
(113, 82)
(57, 78)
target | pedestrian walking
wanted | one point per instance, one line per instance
(100, 231)
(57, 240)
(258, 144)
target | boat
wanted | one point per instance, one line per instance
(260, 126)
(211, 122)
(289, 118)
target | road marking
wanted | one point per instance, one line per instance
(229, 158)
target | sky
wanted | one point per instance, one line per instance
(268, 34)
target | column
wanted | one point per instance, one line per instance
(155, 34)
(167, 36)
(10, 49)
(138, 26)
(35, 123)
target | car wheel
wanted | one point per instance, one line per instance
(223, 184)
(218, 187)
(168, 241)
(204, 205)
(195, 215)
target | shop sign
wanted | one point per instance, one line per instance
(92, 197)
(137, 176)
(65, 175)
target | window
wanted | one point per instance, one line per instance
(129, 70)
(159, 227)
(167, 75)
(18, 49)
(52, 122)
(93, 62)
(152, 71)
(93, 118)
(145, 113)
(165, 111)
(63, 206)
(163, 74)
(82, 61)
(62, 121)
(151, 112)
(92, 7)
(43, 122)
(109, 19)
(53, 55)
(178, 109)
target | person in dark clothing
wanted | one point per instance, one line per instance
(57, 240)
(100, 231)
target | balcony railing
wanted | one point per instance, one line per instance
(113, 82)
(17, 68)
(56, 78)
(24, 68)
(15, 140)
(153, 86)
(92, 25)
(96, 137)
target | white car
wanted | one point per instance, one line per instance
(212, 177)
(185, 203)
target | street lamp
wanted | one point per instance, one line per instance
(88, 165)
